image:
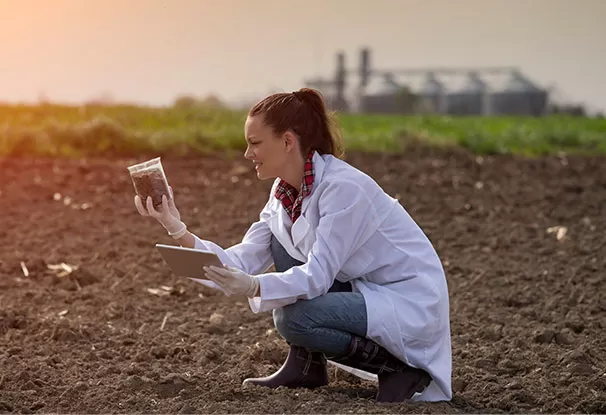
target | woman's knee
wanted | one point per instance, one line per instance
(292, 321)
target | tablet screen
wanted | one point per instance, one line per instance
(187, 262)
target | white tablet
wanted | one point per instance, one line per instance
(187, 262)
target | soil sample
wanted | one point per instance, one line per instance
(149, 180)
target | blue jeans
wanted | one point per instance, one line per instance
(323, 324)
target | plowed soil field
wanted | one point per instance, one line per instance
(112, 330)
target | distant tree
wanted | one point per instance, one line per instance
(212, 101)
(189, 101)
(185, 101)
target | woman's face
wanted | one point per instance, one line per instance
(265, 149)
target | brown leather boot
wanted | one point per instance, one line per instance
(302, 369)
(398, 382)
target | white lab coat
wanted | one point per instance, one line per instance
(351, 230)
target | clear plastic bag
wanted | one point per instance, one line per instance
(149, 180)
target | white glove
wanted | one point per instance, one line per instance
(232, 280)
(168, 216)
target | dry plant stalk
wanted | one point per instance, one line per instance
(24, 269)
(164, 321)
(62, 269)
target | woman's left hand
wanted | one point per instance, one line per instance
(232, 280)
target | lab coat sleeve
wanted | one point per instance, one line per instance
(347, 218)
(253, 254)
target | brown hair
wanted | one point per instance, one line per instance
(305, 113)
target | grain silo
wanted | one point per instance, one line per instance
(386, 96)
(519, 96)
(433, 94)
(472, 99)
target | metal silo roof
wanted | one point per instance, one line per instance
(473, 84)
(518, 83)
(383, 85)
(431, 85)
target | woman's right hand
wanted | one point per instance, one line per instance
(168, 215)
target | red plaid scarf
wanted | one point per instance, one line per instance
(290, 197)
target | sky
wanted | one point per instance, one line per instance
(151, 51)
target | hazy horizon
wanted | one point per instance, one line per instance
(150, 51)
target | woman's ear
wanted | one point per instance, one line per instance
(290, 141)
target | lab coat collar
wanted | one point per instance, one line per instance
(300, 237)
(319, 165)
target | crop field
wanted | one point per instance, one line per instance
(93, 321)
(77, 131)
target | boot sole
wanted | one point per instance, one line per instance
(294, 385)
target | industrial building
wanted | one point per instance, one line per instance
(449, 91)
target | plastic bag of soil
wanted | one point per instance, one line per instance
(149, 180)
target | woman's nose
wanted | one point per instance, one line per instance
(247, 153)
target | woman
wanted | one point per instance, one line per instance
(356, 281)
